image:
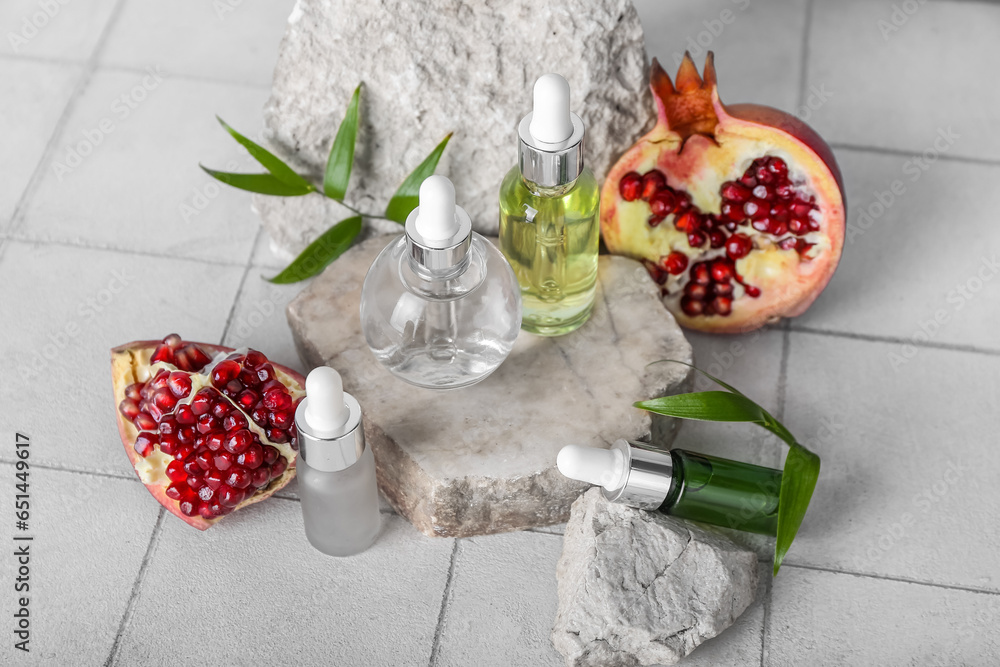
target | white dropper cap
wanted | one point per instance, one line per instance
(326, 411)
(550, 120)
(436, 219)
(604, 467)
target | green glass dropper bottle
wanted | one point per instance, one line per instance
(680, 483)
(549, 231)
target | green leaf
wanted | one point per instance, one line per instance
(321, 252)
(798, 479)
(266, 184)
(405, 199)
(797, 484)
(718, 406)
(267, 159)
(338, 166)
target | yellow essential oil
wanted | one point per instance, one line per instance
(550, 237)
(549, 231)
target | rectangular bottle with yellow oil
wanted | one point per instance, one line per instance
(549, 229)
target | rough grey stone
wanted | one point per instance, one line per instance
(482, 459)
(641, 588)
(430, 68)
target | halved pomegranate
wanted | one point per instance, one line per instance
(207, 428)
(737, 211)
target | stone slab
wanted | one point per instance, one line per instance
(482, 459)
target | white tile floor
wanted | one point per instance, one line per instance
(897, 560)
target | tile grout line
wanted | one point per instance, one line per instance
(21, 238)
(130, 607)
(240, 288)
(886, 577)
(902, 152)
(871, 338)
(89, 67)
(92, 473)
(439, 630)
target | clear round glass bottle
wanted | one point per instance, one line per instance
(550, 236)
(441, 329)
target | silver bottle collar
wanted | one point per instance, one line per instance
(648, 476)
(334, 452)
(550, 165)
(439, 255)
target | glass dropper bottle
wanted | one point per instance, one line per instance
(680, 483)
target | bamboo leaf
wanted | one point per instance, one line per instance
(321, 252)
(266, 184)
(405, 199)
(267, 159)
(798, 480)
(341, 160)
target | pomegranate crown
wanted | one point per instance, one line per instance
(687, 106)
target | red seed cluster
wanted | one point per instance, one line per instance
(218, 461)
(763, 198)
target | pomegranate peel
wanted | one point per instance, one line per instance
(169, 404)
(746, 188)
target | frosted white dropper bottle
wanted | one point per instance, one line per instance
(336, 470)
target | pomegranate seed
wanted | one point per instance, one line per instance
(230, 497)
(214, 441)
(271, 454)
(260, 415)
(696, 239)
(132, 391)
(764, 175)
(674, 263)
(798, 226)
(658, 275)
(762, 208)
(155, 411)
(655, 220)
(722, 305)
(144, 444)
(173, 341)
(738, 245)
(169, 444)
(735, 192)
(271, 384)
(652, 182)
(748, 180)
(277, 435)
(277, 399)
(763, 192)
(630, 187)
(801, 209)
(260, 477)
(722, 271)
(206, 492)
(284, 418)
(185, 415)
(195, 482)
(785, 191)
(202, 401)
(688, 222)
(233, 388)
(205, 511)
(213, 478)
(239, 478)
(752, 291)
(188, 508)
(144, 422)
(186, 435)
(265, 374)
(247, 399)
(168, 425)
(722, 289)
(683, 202)
(662, 203)
(204, 459)
(751, 208)
(234, 421)
(162, 353)
(252, 457)
(207, 423)
(248, 378)
(696, 291)
(183, 451)
(762, 225)
(777, 167)
(164, 399)
(255, 358)
(129, 408)
(238, 441)
(179, 384)
(225, 371)
(732, 212)
(220, 409)
(192, 467)
(780, 211)
(279, 467)
(160, 380)
(716, 238)
(778, 228)
(178, 491)
(700, 274)
(692, 307)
